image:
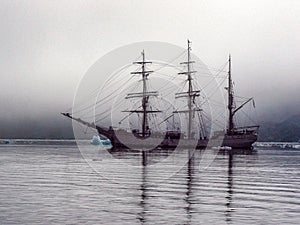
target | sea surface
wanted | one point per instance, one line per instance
(61, 183)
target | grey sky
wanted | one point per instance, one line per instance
(47, 46)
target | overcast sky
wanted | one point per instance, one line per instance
(47, 46)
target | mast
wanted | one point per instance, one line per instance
(230, 99)
(145, 94)
(232, 108)
(190, 94)
(145, 98)
(190, 90)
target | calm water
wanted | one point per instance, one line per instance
(46, 184)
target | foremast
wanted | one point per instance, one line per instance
(145, 94)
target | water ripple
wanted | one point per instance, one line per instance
(53, 184)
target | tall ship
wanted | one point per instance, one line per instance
(192, 131)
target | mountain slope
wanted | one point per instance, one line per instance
(286, 131)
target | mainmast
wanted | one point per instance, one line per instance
(190, 90)
(145, 98)
(190, 94)
(230, 99)
(144, 95)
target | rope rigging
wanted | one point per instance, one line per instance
(119, 84)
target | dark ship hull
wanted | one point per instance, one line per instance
(241, 139)
(235, 141)
(232, 141)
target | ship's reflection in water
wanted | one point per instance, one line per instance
(230, 187)
(54, 184)
(189, 178)
(197, 196)
(143, 204)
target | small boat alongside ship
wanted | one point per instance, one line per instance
(144, 136)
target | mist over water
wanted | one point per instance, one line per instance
(47, 47)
